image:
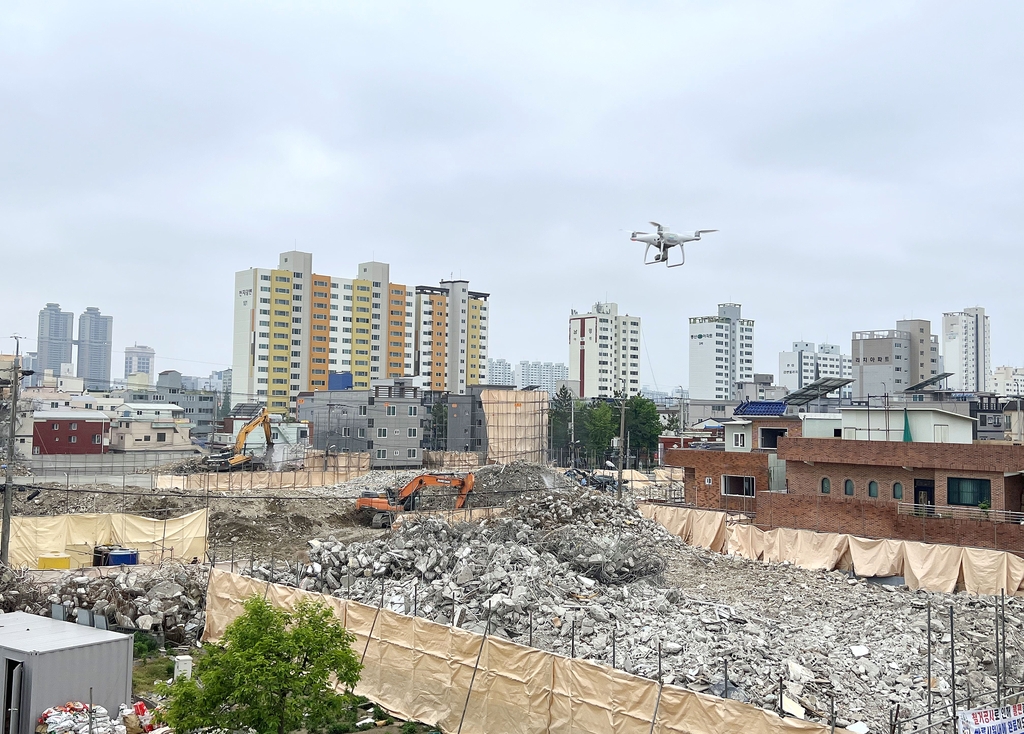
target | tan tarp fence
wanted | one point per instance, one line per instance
(340, 469)
(423, 671)
(928, 566)
(517, 425)
(77, 535)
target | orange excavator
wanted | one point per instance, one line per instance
(385, 505)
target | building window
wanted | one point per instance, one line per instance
(739, 440)
(848, 487)
(897, 491)
(161, 437)
(361, 433)
(392, 410)
(74, 426)
(382, 453)
(73, 439)
(410, 453)
(826, 485)
(145, 438)
(969, 492)
(97, 439)
(737, 486)
(362, 410)
(382, 433)
(412, 432)
(872, 488)
(56, 426)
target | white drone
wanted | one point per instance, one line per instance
(665, 241)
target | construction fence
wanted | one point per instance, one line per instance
(460, 681)
(341, 468)
(927, 566)
(76, 536)
(517, 425)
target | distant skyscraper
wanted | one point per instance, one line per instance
(499, 372)
(140, 359)
(95, 333)
(721, 354)
(545, 375)
(55, 338)
(967, 350)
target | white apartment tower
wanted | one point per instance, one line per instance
(1008, 380)
(545, 375)
(721, 353)
(967, 350)
(604, 352)
(499, 372)
(805, 364)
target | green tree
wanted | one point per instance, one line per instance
(672, 424)
(643, 424)
(559, 417)
(601, 423)
(272, 672)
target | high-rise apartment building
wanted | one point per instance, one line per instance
(886, 362)
(294, 327)
(55, 338)
(967, 350)
(139, 359)
(604, 352)
(545, 375)
(451, 336)
(1008, 381)
(925, 360)
(721, 353)
(95, 337)
(804, 364)
(499, 372)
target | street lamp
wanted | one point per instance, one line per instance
(15, 384)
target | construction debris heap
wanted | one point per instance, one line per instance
(571, 571)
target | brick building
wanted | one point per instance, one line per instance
(70, 432)
(932, 474)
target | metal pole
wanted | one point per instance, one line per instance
(782, 711)
(832, 713)
(415, 598)
(659, 662)
(12, 428)
(952, 662)
(531, 628)
(572, 643)
(622, 440)
(1002, 634)
(613, 647)
(725, 689)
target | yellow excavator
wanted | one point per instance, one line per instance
(235, 457)
(385, 505)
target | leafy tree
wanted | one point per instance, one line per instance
(601, 423)
(642, 423)
(272, 672)
(559, 417)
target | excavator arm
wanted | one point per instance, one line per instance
(467, 487)
(237, 456)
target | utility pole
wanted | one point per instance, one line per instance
(572, 433)
(5, 540)
(622, 440)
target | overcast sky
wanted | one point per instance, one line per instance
(863, 162)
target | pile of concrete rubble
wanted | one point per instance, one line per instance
(572, 571)
(168, 599)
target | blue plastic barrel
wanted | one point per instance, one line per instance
(123, 556)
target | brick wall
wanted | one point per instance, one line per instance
(953, 456)
(792, 425)
(699, 464)
(875, 519)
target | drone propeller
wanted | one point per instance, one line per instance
(704, 231)
(660, 227)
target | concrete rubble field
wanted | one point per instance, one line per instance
(584, 567)
(169, 599)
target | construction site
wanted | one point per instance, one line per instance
(529, 555)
